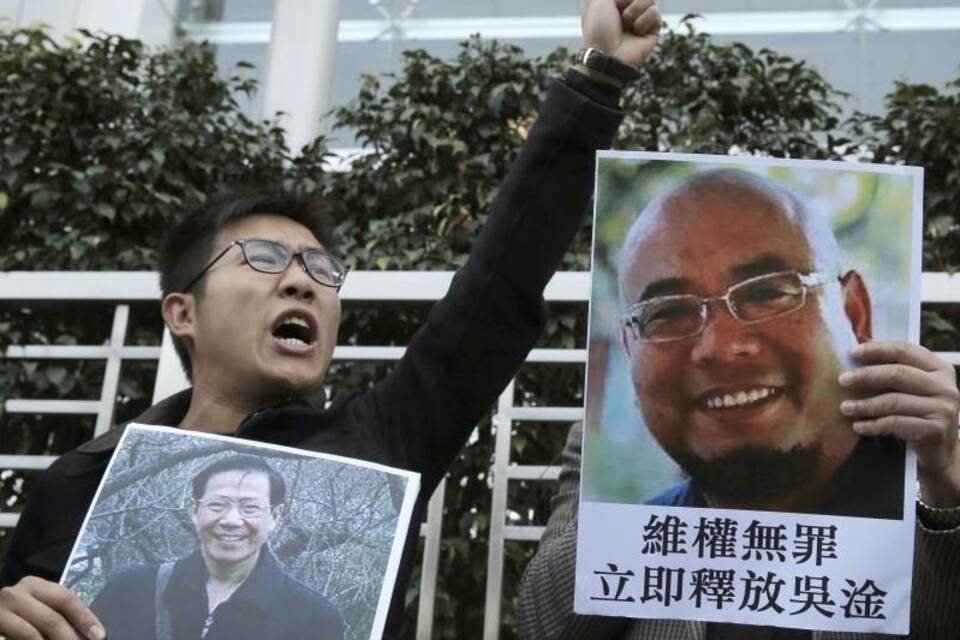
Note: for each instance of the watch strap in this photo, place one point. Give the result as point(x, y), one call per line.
point(597, 60)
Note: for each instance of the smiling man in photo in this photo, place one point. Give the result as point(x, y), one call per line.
point(232, 585)
point(737, 325)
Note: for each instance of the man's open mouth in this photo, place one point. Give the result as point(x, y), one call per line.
point(295, 329)
point(738, 399)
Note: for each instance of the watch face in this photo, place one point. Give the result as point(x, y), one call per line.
point(586, 55)
point(596, 59)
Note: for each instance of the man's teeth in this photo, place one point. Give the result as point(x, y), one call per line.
point(294, 341)
point(226, 538)
point(739, 399)
point(295, 320)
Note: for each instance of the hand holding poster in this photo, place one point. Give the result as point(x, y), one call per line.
point(727, 295)
point(193, 535)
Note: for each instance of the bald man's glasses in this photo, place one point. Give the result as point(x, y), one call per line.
point(751, 301)
point(268, 256)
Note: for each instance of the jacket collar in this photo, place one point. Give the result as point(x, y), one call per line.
point(170, 412)
point(188, 581)
point(167, 412)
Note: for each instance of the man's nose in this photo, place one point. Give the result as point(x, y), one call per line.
point(231, 516)
point(724, 338)
point(295, 282)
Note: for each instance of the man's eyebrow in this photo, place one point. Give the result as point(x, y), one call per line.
point(665, 287)
point(759, 266)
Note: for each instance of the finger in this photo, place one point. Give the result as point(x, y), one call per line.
point(648, 23)
point(907, 428)
point(633, 11)
point(887, 404)
point(67, 605)
point(36, 615)
point(893, 377)
point(13, 627)
point(889, 352)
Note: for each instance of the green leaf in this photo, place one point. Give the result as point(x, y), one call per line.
point(105, 210)
point(56, 375)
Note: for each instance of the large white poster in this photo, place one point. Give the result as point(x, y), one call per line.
point(720, 480)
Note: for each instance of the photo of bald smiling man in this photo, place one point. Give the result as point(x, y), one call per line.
point(737, 312)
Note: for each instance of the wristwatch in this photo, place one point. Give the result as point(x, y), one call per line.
point(937, 518)
point(594, 59)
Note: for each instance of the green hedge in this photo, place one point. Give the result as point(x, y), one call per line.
point(103, 144)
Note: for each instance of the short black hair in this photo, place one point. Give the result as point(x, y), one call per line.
point(242, 462)
point(189, 244)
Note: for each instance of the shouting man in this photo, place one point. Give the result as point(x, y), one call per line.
point(250, 294)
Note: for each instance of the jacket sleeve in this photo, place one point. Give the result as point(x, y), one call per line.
point(936, 565)
point(25, 537)
point(545, 599)
point(478, 336)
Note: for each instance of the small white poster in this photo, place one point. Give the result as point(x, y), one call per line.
point(193, 535)
point(720, 481)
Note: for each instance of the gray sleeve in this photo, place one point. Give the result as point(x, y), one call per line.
point(545, 599)
point(936, 566)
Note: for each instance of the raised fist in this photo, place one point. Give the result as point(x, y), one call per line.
point(625, 29)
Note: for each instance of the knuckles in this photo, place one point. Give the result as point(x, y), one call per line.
point(7, 596)
point(32, 583)
point(899, 375)
point(888, 405)
point(51, 623)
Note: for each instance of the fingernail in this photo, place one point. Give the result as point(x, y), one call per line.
point(96, 632)
point(846, 378)
point(847, 407)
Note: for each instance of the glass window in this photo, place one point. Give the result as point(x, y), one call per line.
point(860, 51)
point(226, 10)
point(238, 31)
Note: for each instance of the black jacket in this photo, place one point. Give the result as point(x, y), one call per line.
point(422, 413)
point(269, 605)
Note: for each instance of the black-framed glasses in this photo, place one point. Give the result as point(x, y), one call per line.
point(751, 301)
point(268, 256)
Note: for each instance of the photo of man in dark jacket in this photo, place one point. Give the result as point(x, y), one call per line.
point(232, 585)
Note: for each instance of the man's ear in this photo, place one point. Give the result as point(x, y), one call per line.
point(179, 314)
point(277, 511)
point(856, 304)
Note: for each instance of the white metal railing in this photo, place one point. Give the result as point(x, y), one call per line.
point(124, 288)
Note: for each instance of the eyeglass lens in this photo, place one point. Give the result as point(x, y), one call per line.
point(271, 257)
point(767, 297)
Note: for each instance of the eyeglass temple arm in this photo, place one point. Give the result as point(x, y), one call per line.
point(209, 265)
